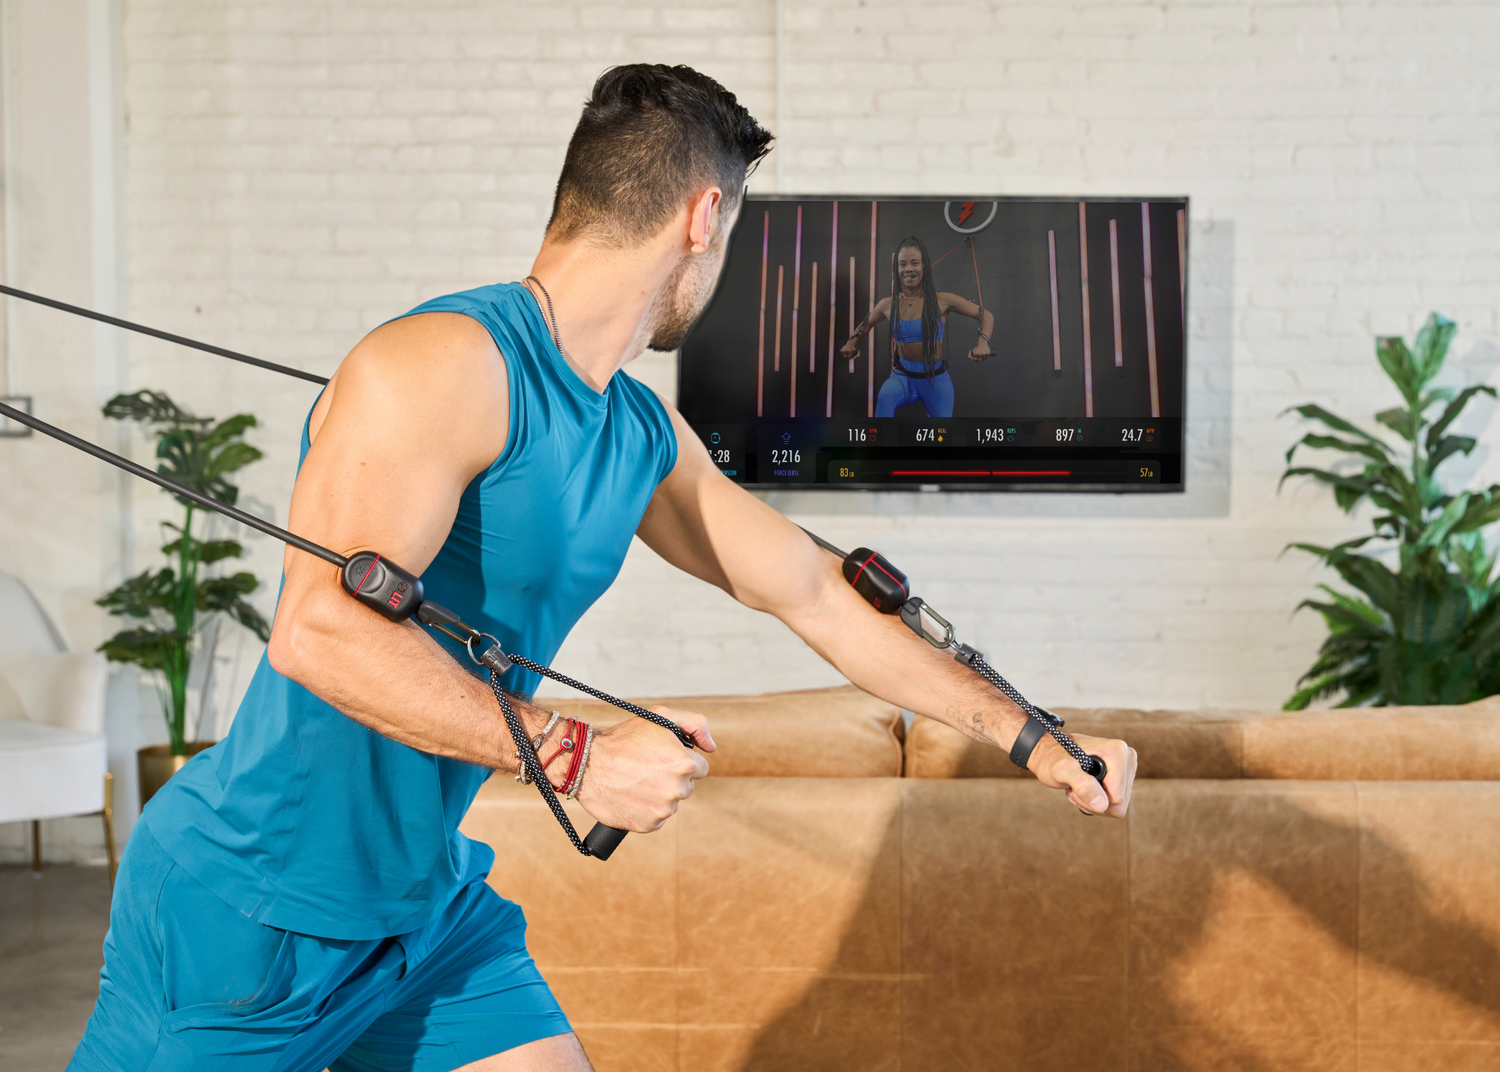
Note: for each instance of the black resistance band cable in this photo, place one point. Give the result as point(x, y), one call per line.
point(397, 595)
point(886, 589)
point(192, 344)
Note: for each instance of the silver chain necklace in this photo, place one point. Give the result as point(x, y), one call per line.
point(551, 316)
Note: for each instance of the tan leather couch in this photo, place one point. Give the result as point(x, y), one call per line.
point(1312, 891)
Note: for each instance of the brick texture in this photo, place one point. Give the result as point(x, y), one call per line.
point(298, 172)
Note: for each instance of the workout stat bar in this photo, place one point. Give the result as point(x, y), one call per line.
point(894, 452)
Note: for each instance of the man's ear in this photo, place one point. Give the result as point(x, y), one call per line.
point(703, 218)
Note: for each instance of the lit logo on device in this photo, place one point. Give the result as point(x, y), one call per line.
point(397, 596)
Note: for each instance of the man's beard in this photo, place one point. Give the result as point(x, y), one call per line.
point(680, 302)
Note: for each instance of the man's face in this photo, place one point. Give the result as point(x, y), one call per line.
point(689, 288)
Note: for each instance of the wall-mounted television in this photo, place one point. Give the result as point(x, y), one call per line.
point(1081, 388)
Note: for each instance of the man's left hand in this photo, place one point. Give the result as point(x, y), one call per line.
point(1056, 769)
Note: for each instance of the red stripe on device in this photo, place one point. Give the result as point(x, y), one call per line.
point(366, 577)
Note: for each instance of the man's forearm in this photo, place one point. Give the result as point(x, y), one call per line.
point(880, 655)
point(395, 679)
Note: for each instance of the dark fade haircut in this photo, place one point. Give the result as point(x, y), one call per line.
point(649, 136)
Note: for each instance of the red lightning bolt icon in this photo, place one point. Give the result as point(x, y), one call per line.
point(964, 212)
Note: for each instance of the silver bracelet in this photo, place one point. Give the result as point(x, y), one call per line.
point(583, 764)
point(523, 775)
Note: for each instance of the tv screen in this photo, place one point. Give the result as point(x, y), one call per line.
point(845, 346)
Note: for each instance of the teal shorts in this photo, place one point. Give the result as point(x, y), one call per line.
point(189, 983)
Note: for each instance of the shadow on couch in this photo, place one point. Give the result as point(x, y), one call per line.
point(1265, 925)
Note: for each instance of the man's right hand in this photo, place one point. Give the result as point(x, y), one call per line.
point(638, 772)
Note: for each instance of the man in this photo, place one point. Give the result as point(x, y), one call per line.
point(299, 895)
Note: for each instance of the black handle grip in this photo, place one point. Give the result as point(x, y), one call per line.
point(1096, 769)
point(603, 840)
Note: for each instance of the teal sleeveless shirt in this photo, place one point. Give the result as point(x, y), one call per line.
point(303, 819)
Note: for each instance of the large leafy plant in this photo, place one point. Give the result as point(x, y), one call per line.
point(1427, 631)
point(173, 604)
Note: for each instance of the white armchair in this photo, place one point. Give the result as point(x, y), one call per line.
point(52, 745)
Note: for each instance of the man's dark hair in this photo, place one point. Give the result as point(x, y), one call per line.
point(649, 136)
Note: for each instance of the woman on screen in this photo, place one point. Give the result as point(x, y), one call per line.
point(918, 371)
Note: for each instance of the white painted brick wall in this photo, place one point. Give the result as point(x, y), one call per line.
point(299, 172)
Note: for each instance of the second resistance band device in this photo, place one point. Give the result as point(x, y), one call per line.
point(887, 589)
point(396, 595)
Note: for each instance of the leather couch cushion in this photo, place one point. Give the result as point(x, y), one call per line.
point(1170, 744)
point(815, 733)
point(1383, 744)
point(1359, 744)
point(759, 928)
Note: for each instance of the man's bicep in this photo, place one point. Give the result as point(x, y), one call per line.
point(418, 409)
point(708, 526)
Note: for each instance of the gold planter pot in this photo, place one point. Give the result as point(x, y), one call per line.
point(157, 764)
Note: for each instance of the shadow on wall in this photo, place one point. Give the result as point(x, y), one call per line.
point(1234, 924)
point(1209, 427)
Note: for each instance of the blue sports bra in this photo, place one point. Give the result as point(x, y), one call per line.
point(911, 330)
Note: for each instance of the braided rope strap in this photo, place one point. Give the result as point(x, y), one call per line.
point(990, 674)
point(533, 764)
point(526, 751)
point(624, 705)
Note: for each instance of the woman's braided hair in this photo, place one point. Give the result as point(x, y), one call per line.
point(931, 345)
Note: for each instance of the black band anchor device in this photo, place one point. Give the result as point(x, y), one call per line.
point(396, 595)
point(887, 589)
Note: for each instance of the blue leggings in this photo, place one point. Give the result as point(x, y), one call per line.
point(936, 394)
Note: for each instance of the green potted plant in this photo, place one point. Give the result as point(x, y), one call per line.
point(1428, 630)
point(171, 606)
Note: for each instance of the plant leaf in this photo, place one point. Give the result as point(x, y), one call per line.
point(1447, 447)
point(151, 407)
point(1397, 361)
point(1402, 421)
point(137, 597)
point(229, 428)
point(1430, 347)
point(230, 457)
point(1451, 413)
point(1333, 420)
point(1373, 449)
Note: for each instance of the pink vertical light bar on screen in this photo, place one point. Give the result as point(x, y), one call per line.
point(1114, 285)
point(812, 322)
point(1056, 324)
point(760, 360)
point(1088, 328)
point(833, 304)
point(833, 282)
point(780, 286)
point(870, 400)
point(851, 307)
point(796, 302)
point(1150, 308)
point(1182, 265)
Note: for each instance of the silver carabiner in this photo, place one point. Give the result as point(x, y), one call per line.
point(492, 658)
point(927, 623)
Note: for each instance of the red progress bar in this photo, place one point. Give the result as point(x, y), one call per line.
point(940, 472)
point(981, 472)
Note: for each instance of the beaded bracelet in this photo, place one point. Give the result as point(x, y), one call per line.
point(523, 775)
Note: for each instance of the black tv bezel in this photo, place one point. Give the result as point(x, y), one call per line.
point(995, 488)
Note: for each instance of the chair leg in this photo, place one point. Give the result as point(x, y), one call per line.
point(36, 845)
point(109, 826)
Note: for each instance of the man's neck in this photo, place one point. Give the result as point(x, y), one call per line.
point(603, 301)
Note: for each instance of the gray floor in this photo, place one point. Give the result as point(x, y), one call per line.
point(51, 941)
